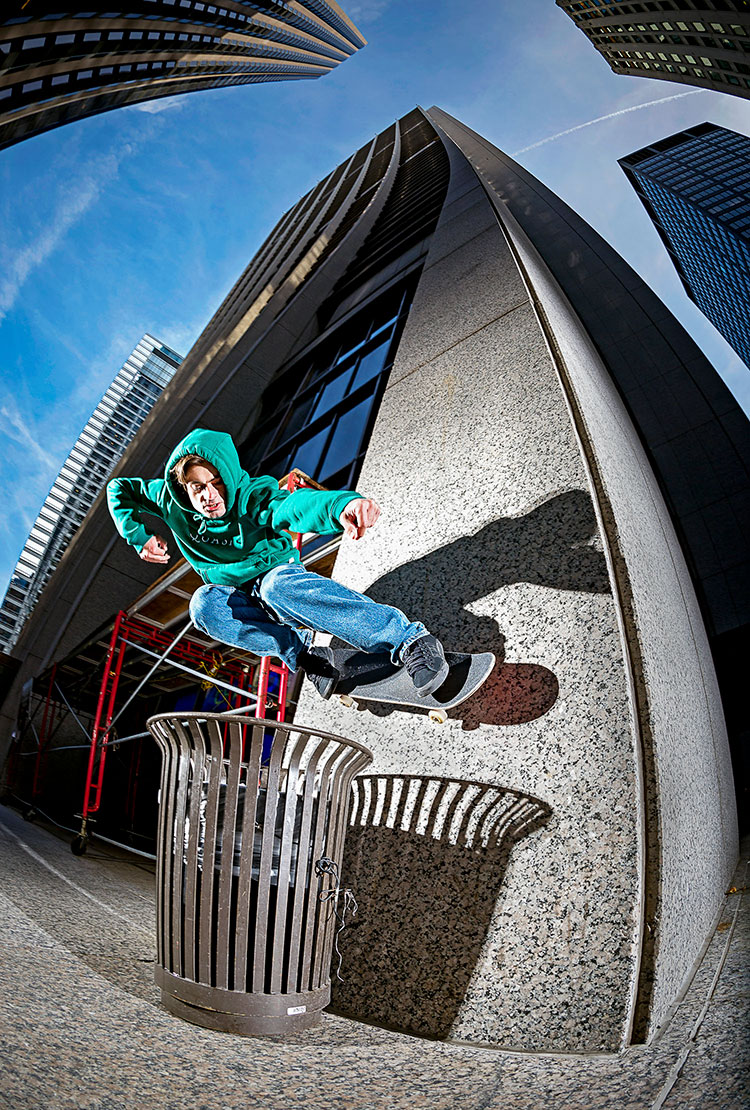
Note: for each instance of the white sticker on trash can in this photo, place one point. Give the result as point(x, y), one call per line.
point(296, 1010)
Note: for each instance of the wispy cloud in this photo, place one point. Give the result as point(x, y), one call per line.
point(365, 10)
point(163, 104)
point(30, 470)
point(610, 115)
point(15, 426)
point(181, 335)
point(79, 197)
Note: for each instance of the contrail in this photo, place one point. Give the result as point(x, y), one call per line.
point(79, 196)
point(612, 115)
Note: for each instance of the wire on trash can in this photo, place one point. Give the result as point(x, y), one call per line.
point(326, 866)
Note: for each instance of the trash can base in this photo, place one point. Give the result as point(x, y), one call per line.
point(238, 1012)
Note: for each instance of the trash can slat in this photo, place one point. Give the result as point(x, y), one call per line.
point(193, 739)
point(291, 807)
point(265, 865)
point(206, 897)
point(244, 883)
point(305, 867)
point(349, 764)
point(225, 935)
point(178, 855)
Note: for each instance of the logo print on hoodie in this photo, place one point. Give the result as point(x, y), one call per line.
point(217, 541)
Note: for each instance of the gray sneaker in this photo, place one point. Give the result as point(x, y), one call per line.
point(318, 664)
point(425, 664)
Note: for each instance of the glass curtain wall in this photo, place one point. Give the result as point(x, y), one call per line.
point(318, 413)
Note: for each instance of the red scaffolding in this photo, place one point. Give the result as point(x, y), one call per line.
point(147, 628)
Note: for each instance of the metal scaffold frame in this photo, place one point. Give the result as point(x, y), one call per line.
point(180, 653)
point(146, 631)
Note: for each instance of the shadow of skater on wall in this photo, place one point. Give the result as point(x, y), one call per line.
point(425, 858)
point(549, 546)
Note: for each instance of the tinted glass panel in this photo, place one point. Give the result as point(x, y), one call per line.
point(307, 455)
point(370, 365)
point(257, 446)
point(300, 415)
point(332, 393)
point(381, 327)
point(276, 465)
point(349, 350)
point(347, 437)
point(288, 414)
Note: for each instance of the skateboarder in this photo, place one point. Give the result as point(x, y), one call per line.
point(231, 528)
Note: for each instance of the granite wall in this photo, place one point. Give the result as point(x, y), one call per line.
point(520, 517)
point(690, 832)
point(490, 534)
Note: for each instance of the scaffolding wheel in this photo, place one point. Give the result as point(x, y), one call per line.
point(438, 716)
point(346, 700)
point(79, 845)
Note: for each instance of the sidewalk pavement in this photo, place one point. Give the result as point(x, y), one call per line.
point(82, 1027)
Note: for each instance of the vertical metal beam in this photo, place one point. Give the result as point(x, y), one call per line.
point(97, 721)
point(115, 676)
point(41, 750)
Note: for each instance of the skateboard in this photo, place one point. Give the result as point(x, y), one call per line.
point(372, 677)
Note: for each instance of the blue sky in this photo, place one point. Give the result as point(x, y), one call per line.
point(141, 219)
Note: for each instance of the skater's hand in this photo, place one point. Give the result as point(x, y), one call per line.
point(154, 551)
point(358, 516)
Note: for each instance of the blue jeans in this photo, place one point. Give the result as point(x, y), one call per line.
point(277, 614)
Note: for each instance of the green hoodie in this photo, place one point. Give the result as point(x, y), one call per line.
point(250, 538)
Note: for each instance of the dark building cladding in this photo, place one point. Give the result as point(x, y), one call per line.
point(57, 65)
point(695, 186)
point(317, 413)
point(703, 44)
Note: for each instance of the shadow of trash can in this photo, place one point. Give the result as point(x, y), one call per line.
point(245, 926)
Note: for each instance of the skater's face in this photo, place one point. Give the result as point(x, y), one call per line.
point(206, 490)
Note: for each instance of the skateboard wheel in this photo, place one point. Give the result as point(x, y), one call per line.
point(438, 716)
point(346, 700)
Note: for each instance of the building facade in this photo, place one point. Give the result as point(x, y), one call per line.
point(56, 67)
point(433, 326)
point(683, 40)
point(109, 430)
point(695, 186)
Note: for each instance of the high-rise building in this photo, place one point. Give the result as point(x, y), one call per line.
point(696, 44)
point(59, 66)
point(695, 186)
point(564, 482)
point(109, 430)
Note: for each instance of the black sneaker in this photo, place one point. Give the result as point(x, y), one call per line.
point(318, 664)
point(425, 664)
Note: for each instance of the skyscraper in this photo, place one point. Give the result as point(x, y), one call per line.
point(109, 430)
point(695, 186)
point(564, 482)
point(704, 45)
point(57, 66)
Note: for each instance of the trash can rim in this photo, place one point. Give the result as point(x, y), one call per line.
point(285, 726)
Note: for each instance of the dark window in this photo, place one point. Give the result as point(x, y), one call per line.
point(333, 392)
point(371, 364)
point(346, 439)
point(315, 414)
point(307, 456)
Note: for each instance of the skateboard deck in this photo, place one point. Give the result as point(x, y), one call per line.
point(369, 676)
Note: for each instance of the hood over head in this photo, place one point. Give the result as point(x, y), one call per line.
point(218, 449)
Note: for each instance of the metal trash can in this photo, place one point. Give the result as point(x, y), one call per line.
point(244, 938)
